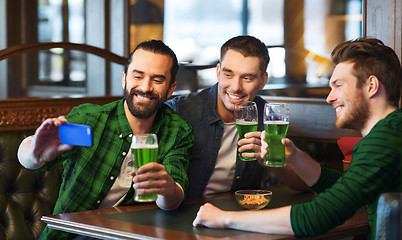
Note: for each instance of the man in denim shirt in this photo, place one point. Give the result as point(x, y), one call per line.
point(216, 166)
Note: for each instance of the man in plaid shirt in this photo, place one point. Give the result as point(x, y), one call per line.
point(102, 175)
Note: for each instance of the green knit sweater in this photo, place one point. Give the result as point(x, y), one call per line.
point(375, 169)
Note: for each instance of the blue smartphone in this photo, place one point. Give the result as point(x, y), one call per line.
point(75, 134)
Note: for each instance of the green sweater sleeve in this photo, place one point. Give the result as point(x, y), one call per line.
point(320, 215)
point(327, 178)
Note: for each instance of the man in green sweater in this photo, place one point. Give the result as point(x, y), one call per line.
point(365, 92)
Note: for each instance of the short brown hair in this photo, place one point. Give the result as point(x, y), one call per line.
point(248, 46)
point(371, 57)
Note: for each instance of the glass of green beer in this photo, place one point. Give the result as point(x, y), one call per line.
point(144, 149)
point(276, 123)
point(246, 117)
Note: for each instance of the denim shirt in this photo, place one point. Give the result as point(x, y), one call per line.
point(199, 109)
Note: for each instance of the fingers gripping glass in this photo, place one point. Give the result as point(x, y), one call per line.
point(246, 117)
point(276, 124)
point(144, 149)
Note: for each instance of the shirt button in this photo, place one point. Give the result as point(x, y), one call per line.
point(237, 177)
point(98, 202)
point(131, 135)
point(112, 178)
point(124, 153)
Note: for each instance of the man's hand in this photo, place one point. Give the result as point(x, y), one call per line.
point(44, 146)
point(251, 141)
point(290, 149)
point(300, 169)
point(161, 183)
point(210, 216)
point(265, 221)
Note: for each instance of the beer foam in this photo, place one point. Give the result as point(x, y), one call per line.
point(276, 122)
point(143, 146)
point(246, 122)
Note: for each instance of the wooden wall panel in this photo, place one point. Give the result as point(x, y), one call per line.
point(384, 21)
point(23, 114)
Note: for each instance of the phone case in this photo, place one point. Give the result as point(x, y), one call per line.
point(75, 134)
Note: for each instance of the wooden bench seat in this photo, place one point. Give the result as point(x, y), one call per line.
point(26, 196)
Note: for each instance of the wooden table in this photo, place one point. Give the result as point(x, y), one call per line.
point(146, 221)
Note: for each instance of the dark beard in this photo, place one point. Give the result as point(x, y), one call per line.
point(143, 111)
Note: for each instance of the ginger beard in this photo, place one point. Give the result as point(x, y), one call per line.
point(142, 110)
point(354, 113)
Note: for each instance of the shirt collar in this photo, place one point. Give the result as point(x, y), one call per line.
point(124, 126)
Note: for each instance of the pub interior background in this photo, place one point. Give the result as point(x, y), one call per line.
point(35, 85)
point(299, 35)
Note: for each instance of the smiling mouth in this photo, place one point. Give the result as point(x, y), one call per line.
point(142, 97)
point(234, 97)
point(338, 109)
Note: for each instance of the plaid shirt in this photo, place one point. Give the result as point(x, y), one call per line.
point(89, 172)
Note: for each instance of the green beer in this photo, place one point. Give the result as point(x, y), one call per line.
point(274, 132)
point(244, 127)
point(143, 154)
